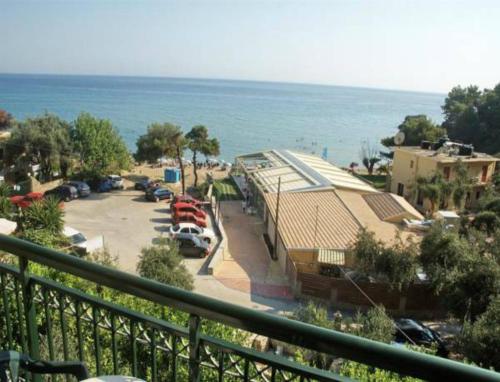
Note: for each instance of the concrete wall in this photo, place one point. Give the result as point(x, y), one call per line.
point(36, 186)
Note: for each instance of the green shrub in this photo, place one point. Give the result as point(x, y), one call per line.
point(480, 341)
point(162, 262)
point(486, 221)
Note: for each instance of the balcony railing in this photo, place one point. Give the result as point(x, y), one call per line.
point(46, 319)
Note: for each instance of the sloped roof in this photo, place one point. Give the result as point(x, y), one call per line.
point(388, 206)
point(299, 172)
point(337, 227)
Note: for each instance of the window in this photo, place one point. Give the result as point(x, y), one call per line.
point(185, 230)
point(478, 194)
point(446, 172)
point(401, 189)
point(411, 164)
point(484, 173)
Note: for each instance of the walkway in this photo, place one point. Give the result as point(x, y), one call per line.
point(247, 266)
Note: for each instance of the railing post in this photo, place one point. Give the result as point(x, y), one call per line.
point(194, 348)
point(29, 312)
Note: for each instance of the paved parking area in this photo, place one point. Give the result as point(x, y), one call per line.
point(128, 223)
point(126, 220)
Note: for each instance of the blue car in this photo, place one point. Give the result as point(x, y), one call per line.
point(82, 188)
point(157, 194)
point(105, 185)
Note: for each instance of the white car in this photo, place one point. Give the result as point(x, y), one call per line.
point(79, 241)
point(116, 182)
point(204, 234)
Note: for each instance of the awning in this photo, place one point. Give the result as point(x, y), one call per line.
point(331, 256)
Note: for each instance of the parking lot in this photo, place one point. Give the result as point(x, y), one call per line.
point(126, 220)
point(129, 223)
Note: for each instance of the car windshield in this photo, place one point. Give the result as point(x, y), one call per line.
point(176, 227)
point(78, 238)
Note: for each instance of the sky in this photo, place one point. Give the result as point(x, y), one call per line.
point(424, 45)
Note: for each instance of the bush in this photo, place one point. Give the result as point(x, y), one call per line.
point(163, 263)
point(375, 325)
point(480, 341)
point(44, 238)
point(396, 264)
point(45, 214)
point(6, 208)
point(486, 221)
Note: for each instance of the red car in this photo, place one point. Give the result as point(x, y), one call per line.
point(188, 217)
point(187, 199)
point(24, 201)
point(186, 207)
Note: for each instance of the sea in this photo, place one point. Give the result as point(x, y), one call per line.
point(246, 116)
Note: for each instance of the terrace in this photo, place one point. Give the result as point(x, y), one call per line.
point(46, 319)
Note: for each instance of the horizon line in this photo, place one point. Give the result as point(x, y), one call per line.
point(224, 79)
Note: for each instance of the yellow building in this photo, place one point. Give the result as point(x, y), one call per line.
point(410, 163)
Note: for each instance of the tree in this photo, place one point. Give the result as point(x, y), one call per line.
point(366, 250)
point(480, 340)
point(99, 146)
point(369, 157)
point(487, 221)
point(163, 263)
point(5, 119)
point(198, 142)
point(43, 140)
point(473, 116)
point(460, 270)
point(396, 264)
point(162, 139)
point(156, 143)
point(417, 128)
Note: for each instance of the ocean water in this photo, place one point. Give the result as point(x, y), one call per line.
point(245, 116)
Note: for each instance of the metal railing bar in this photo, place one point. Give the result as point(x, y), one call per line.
point(273, 360)
point(344, 345)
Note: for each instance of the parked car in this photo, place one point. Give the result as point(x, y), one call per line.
point(186, 199)
point(100, 185)
point(204, 234)
point(145, 184)
point(190, 245)
point(64, 192)
point(24, 201)
point(359, 277)
point(116, 182)
point(158, 193)
point(420, 334)
point(188, 217)
point(186, 207)
point(81, 243)
point(82, 188)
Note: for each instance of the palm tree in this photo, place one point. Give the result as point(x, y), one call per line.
point(430, 189)
point(198, 141)
point(447, 189)
point(463, 184)
point(369, 157)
